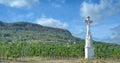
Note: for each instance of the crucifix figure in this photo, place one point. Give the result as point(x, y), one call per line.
point(89, 49)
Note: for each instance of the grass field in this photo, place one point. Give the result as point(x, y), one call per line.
point(62, 60)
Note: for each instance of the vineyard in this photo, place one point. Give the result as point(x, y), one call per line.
point(24, 49)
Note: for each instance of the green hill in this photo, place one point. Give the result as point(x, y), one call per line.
point(19, 31)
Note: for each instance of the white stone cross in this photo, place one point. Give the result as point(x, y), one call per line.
point(89, 49)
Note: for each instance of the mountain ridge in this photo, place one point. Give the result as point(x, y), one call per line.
point(31, 31)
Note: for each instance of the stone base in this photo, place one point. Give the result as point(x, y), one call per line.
point(89, 53)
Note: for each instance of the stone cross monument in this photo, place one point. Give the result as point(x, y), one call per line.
point(89, 49)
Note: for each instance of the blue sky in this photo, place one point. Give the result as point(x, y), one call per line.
point(68, 14)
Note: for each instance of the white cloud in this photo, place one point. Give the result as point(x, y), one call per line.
point(101, 9)
point(115, 37)
point(19, 3)
point(51, 23)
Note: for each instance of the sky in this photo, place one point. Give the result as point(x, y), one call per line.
point(68, 14)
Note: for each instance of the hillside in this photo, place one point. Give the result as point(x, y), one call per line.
point(30, 32)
